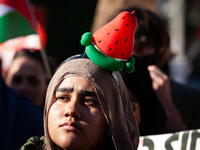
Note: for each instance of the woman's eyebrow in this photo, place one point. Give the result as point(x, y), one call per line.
point(64, 89)
point(88, 93)
point(82, 92)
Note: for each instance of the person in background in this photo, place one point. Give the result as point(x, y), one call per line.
point(149, 112)
point(20, 119)
point(152, 44)
point(27, 75)
point(87, 108)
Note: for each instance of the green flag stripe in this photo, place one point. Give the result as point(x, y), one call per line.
point(14, 25)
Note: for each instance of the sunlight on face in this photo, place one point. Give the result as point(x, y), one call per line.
point(76, 120)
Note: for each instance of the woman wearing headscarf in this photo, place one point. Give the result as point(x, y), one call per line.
point(86, 107)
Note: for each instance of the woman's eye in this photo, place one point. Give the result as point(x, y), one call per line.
point(62, 98)
point(89, 101)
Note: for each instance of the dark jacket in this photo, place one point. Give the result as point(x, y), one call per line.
point(34, 143)
point(187, 100)
point(20, 119)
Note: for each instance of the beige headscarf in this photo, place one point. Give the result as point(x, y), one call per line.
point(112, 96)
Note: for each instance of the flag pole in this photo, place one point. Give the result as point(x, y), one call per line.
point(45, 61)
point(42, 51)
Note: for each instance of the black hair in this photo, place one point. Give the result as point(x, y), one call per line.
point(153, 117)
point(35, 54)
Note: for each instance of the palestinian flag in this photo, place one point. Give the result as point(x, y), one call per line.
point(16, 19)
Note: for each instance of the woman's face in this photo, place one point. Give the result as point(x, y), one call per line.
point(75, 119)
point(27, 77)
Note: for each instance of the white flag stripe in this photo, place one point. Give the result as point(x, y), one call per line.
point(4, 9)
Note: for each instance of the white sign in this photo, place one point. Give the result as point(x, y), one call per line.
point(186, 140)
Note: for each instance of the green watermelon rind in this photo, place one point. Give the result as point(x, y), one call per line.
point(102, 60)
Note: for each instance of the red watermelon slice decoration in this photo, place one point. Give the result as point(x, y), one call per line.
point(116, 38)
point(111, 46)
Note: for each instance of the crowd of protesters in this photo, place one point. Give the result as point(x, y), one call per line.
point(82, 106)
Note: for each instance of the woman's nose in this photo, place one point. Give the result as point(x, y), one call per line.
point(23, 87)
point(73, 109)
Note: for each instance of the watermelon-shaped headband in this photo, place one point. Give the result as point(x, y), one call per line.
point(111, 46)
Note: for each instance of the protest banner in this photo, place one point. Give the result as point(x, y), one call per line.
point(185, 140)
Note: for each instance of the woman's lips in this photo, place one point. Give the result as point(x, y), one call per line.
point(70, 126)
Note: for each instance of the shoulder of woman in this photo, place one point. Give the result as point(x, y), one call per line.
point(34, 143)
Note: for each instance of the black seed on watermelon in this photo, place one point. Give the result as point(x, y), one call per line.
point(122, 54)
point(100, 41)
point(127, 24)
point(116, 29)
point(123, 17)
point(110, 49)
point(125, 39)
point(116, 42)
point(133, 21)
point(108, 33)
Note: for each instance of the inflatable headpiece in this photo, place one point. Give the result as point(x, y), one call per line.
point(111, 46)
